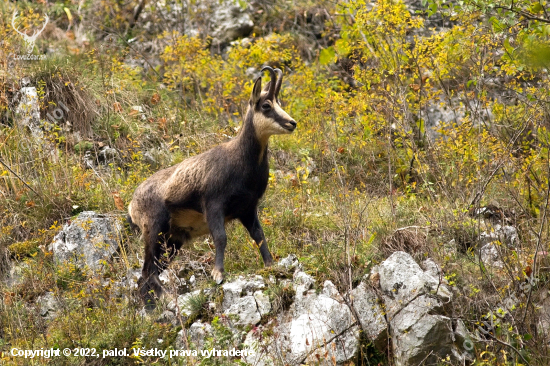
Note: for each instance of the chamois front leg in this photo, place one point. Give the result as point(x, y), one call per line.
point(252, 224)
point(216, 223)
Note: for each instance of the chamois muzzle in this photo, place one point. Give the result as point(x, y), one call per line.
point(291, 125)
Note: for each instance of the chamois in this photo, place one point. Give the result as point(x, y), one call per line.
point(202, 193)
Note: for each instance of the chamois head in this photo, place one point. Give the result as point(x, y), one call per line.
point(268, 116)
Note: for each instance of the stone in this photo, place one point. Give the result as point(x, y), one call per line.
point(198, 332)
point(181, 339)
point(414, 302)
point(88, 240)
point(16, 275)
point(490, 256)
point(230, 22)
point(445, 114)
point(181, 305)
point(246, 311)
point(233, 290)
point(323, 327)
point(262, 301)
point(450, 248)
point(316, 322)
point(465, 340)
point(433, 333)
point(506, 234)
point(264, 352)
point(289, 262)
point(431, 268)
point(124, 286)
point(169, 279)
point(438, 115)
point(88, 160)
point(168, 317)
point(143, 313)
point(338, 351)
point(108, 155)
point(368, 308)
point(132, 277)
point(48, 305)
point(543, 313)
point(302, 282)
point(29, 108)
point(148, 158)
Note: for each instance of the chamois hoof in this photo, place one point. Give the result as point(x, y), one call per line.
point(217, 276)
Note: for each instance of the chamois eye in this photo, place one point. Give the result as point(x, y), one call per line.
point(266, 106)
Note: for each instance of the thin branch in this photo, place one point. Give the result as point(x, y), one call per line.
point(21, 179)
point(524, 14)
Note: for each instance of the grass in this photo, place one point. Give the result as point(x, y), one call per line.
point(345, 190)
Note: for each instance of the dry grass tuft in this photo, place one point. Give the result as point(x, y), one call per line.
point(64, 86)
point(411, 239)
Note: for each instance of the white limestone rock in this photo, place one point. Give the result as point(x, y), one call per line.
point(414, 302)
point(371, 314)
point(89, 240)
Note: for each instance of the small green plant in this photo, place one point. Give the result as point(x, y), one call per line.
point(224, 337)
point(197, 306)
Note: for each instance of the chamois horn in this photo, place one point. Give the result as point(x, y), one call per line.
point(279, 82)
point(272, 73)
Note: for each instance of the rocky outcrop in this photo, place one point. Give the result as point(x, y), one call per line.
point(370, 312)
point(224, 21)
point(317, 326)
point(398, 302)
point(506, 234)
point(414, 301)
point(230, 22)
point(88, 241)
point(244, 299)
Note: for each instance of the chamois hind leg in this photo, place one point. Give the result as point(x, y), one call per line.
point(166, 248)
point(154, 235)
point(216, 223)
point(251, 222)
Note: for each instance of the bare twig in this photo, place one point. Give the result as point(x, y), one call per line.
point(21, 179)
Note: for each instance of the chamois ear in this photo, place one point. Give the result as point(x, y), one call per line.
point(267, 86)
point(256, 92)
